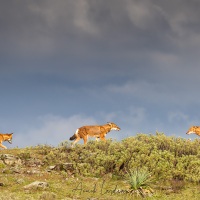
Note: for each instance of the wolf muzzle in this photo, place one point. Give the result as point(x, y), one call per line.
point(10, 141)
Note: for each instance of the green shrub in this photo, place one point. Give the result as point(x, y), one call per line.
point(167, 158)
point(2, 165)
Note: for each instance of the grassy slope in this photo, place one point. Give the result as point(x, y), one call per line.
point(99, 168)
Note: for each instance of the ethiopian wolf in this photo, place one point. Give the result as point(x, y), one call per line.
point(5, 137)
point(98, 131)
point(194, 129)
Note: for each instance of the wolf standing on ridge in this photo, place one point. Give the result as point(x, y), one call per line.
point(5, 137)
point(194, 129)
point(98, 131)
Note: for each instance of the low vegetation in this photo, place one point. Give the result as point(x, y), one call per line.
point(140, 181)
point(153, 166)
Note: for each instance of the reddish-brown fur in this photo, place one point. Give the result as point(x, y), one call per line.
point(5, 137)
point(98, 131)
point(194, 129)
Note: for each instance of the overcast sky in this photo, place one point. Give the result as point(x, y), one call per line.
point(69, 63)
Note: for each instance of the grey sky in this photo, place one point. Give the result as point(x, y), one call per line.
point(67, 63)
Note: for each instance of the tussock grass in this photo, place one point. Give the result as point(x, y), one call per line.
point(139, 179)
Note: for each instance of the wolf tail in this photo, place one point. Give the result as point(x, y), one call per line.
point(73, 137)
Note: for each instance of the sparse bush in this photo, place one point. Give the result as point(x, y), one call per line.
point(2, 165)
point(25, 156)
point(177, 185)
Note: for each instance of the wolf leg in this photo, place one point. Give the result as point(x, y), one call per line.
point(4, 147)
point(85, 139)
point(77, 139)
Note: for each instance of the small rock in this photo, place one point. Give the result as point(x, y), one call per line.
point(20, 181)
point(61, 167)
point(33, 171)
point(9, 159)
point(52, 167)
point(36, 184)
point(15, 170)
point(34, 163)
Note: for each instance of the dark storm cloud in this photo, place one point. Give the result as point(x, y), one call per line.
point(90, 39)
point(115, 40)
point(79, 27)
point(101, 29)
